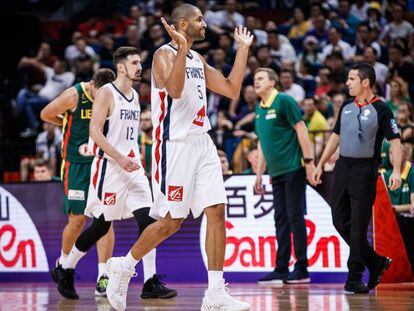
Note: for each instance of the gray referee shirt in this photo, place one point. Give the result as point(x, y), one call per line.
point(362, 128)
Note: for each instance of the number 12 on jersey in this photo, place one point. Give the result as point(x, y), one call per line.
point(130, 133)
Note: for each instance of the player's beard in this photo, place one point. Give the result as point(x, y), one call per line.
point(196, 34)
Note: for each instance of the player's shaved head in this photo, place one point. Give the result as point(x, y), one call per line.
point(184, 11)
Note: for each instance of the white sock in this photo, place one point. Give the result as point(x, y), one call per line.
point(73, 258)
point(129, 262)
point(101, 270)
point(148, 262)
point(62, 257)
point(214, 277)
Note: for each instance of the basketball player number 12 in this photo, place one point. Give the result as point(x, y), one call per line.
point(130, 133)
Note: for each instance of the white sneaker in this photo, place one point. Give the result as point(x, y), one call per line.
point(118, 282)
point(218, 299)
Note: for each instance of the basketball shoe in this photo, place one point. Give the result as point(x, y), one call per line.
point(218, 298)
point(118, 282)
point(101, 286)
point(154, 288)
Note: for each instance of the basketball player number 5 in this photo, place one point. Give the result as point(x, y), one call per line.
point(200, 92)
point(130, 133)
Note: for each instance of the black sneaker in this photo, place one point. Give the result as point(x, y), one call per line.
point(65, 279)
point(377, 271)
point(274, 277)
point(298, 276)
point(355, 287)
point(154, 288)
point(101, 286)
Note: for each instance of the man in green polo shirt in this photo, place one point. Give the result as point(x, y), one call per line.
point(285, 147)
point(402, 200)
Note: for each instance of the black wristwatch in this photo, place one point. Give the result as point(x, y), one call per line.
point(307, 160)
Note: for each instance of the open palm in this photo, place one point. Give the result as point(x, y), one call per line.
point(174, 34)
point(242, 36)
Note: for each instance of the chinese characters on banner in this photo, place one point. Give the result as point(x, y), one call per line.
point(251, 240)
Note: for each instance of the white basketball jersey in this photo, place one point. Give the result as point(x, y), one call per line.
point(174, 119)
point(121, 127)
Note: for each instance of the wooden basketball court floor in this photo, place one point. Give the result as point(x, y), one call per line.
point(44, 296)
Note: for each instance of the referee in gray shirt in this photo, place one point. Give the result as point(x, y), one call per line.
point(360, 129)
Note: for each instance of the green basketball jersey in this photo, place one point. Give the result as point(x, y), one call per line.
point(76, 128)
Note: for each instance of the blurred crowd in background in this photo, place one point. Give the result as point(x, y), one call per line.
point(310, 44)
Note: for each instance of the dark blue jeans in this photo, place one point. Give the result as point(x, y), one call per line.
point(289, 205)
point(31, 103)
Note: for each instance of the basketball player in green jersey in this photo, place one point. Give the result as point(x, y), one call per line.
point(75, 104)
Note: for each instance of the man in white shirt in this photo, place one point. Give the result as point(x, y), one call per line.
point(278, 49)
point(228, 18)
point(78, 47)
point(381, 71)
point(335, 42)
point(57, 80)
point(290, 88)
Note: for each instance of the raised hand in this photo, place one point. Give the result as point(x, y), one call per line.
point(242, 36)
point(174, 34)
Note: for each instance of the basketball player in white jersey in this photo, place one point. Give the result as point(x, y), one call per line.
point(186, 172)
point(118, 188)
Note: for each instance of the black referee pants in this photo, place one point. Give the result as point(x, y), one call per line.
point(353, 196)
point(289, 205)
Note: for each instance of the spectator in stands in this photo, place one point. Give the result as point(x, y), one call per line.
point(305, 79)
point(225, 166)
point(364, 40)
point(336, 44)
point(252, 158)
point(405, 122)
point(57, 80)
point(222, 131)
point(346, 22)
point(310, 53)
point(138, 19)
point(338, 100)
point(157, 40)
point(291, 88)
point(240, 107)
point(260, 35)
point(106, 52)
point(252, 65)
point(280, 51)
point(84, 68)
point(43, 171)
point(225, 42)
point(338, 74)
point(319, 30)
point(48, 144)
point(399, 27)
point(324, 85)
point(228, 18)
point(79, 47)
point(402, 200)
point(398, 94)
point(359, 10)
point(375, 19)
point(265, 59)
point(145, 140)
point(144, 91)
point(32, 77)
point(299, 26)
point(381, 71)
point(401, 67)
point(218, 61)
point(316, 124)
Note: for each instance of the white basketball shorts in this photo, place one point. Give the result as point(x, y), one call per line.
point(186, 175)
point(115, 192)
